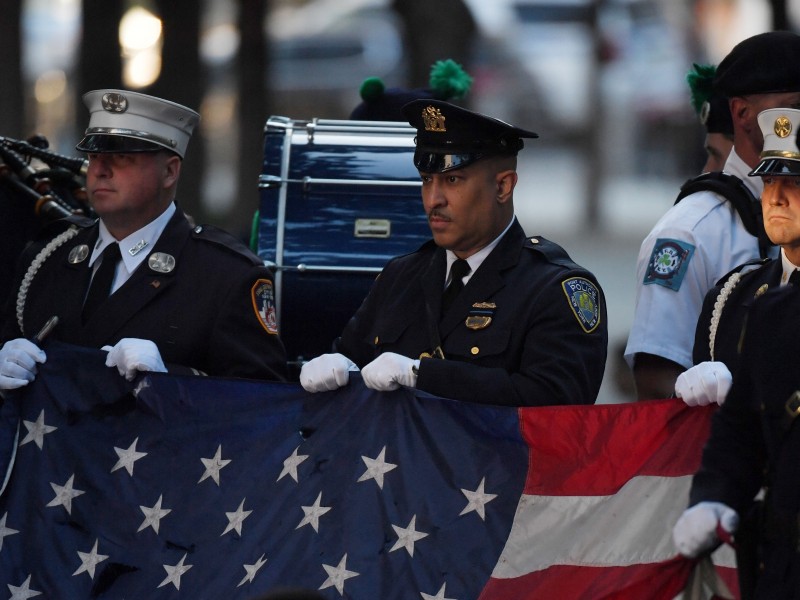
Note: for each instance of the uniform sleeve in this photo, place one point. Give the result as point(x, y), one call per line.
point(671, 278)
point(244, 340)
point(560, 361)
point(733, 460)
point(691, 248)
point(352, 341)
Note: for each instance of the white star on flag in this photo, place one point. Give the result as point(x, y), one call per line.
point(252, 570)
point(214, 466)
point(337, 576)
point(377, 468)
point(64, 494)
point(408, 536)
point(36, 431)
point(313, 513)
point(439, 595)
point(477, 500)
point(89, 560)
point(128, 457)
point(5, 531)
point(24, 591)
point(235, 519)
point(174, 573)
point(290, 465)
point(153, 516)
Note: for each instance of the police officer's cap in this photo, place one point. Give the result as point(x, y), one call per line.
point(123, 121)
point(780, 155)
point(450, 137)
point(762, 64)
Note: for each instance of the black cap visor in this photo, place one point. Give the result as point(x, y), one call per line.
point(429, 161)
point(118, 144)
point(777, 167)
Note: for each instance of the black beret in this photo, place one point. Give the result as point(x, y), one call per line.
point(451, 137)
point(765, 63)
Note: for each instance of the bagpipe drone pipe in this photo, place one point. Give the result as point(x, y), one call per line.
point(37, 187)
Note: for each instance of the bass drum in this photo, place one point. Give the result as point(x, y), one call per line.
point(338, 199)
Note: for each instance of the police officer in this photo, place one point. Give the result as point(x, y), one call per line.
point(718, 336)
point(755, 443)
point(481, 312)
point(164, 296)
point(703, 236)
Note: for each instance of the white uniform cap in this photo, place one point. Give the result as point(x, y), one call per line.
point(123, 121)
point(780, 155)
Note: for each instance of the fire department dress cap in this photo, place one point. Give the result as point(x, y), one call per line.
point(780, 155)
point(123, 121)
point(761, 64)
point(450, 137)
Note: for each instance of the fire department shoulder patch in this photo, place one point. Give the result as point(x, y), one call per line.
point(584, 300)
point(263, 296)
point(668, 263)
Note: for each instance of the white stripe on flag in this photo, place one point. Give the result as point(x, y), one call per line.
point(633, 526)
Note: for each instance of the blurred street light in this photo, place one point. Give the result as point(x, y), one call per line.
point(140, 36)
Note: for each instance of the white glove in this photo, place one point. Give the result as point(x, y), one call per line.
point(389, 371)
point(18, 358)
point(130, 355)
point(326, 372)
point(696, 530)
point(704, 384)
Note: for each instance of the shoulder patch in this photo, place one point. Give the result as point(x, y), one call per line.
point(584, 300)
point(263, 297)
point(668, 263)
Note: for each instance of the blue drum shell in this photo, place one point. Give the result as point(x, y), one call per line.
point(338, 199)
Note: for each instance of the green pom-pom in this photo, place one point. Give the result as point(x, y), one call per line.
point(371, 89)
point(449, 80)
point(700, 80)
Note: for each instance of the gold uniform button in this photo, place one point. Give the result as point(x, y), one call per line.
point(377, 339)
point(475, 350)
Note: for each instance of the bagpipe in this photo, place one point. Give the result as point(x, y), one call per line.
point(53, 183)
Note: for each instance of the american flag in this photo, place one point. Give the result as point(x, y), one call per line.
point(189, 487)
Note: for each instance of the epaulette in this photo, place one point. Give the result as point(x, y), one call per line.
point(221, 238)
point(744, 269)
point(551, 251)
point(57, 226)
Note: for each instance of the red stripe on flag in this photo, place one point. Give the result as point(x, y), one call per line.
point(659, 581)
point(594, 451)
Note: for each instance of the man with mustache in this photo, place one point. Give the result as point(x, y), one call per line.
point(482, 312)
point(142, 282)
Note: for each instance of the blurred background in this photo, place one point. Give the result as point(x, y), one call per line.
point(602, 82)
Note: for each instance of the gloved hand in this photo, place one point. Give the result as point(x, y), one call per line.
point(696, 529)
point(389, 371)
point(326, 372)
point(130, 355)
point(704, 383)
point(18, 359)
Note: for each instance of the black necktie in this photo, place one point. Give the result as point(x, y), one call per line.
point(100, 288)
point(794, 278)
point(459, 269)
